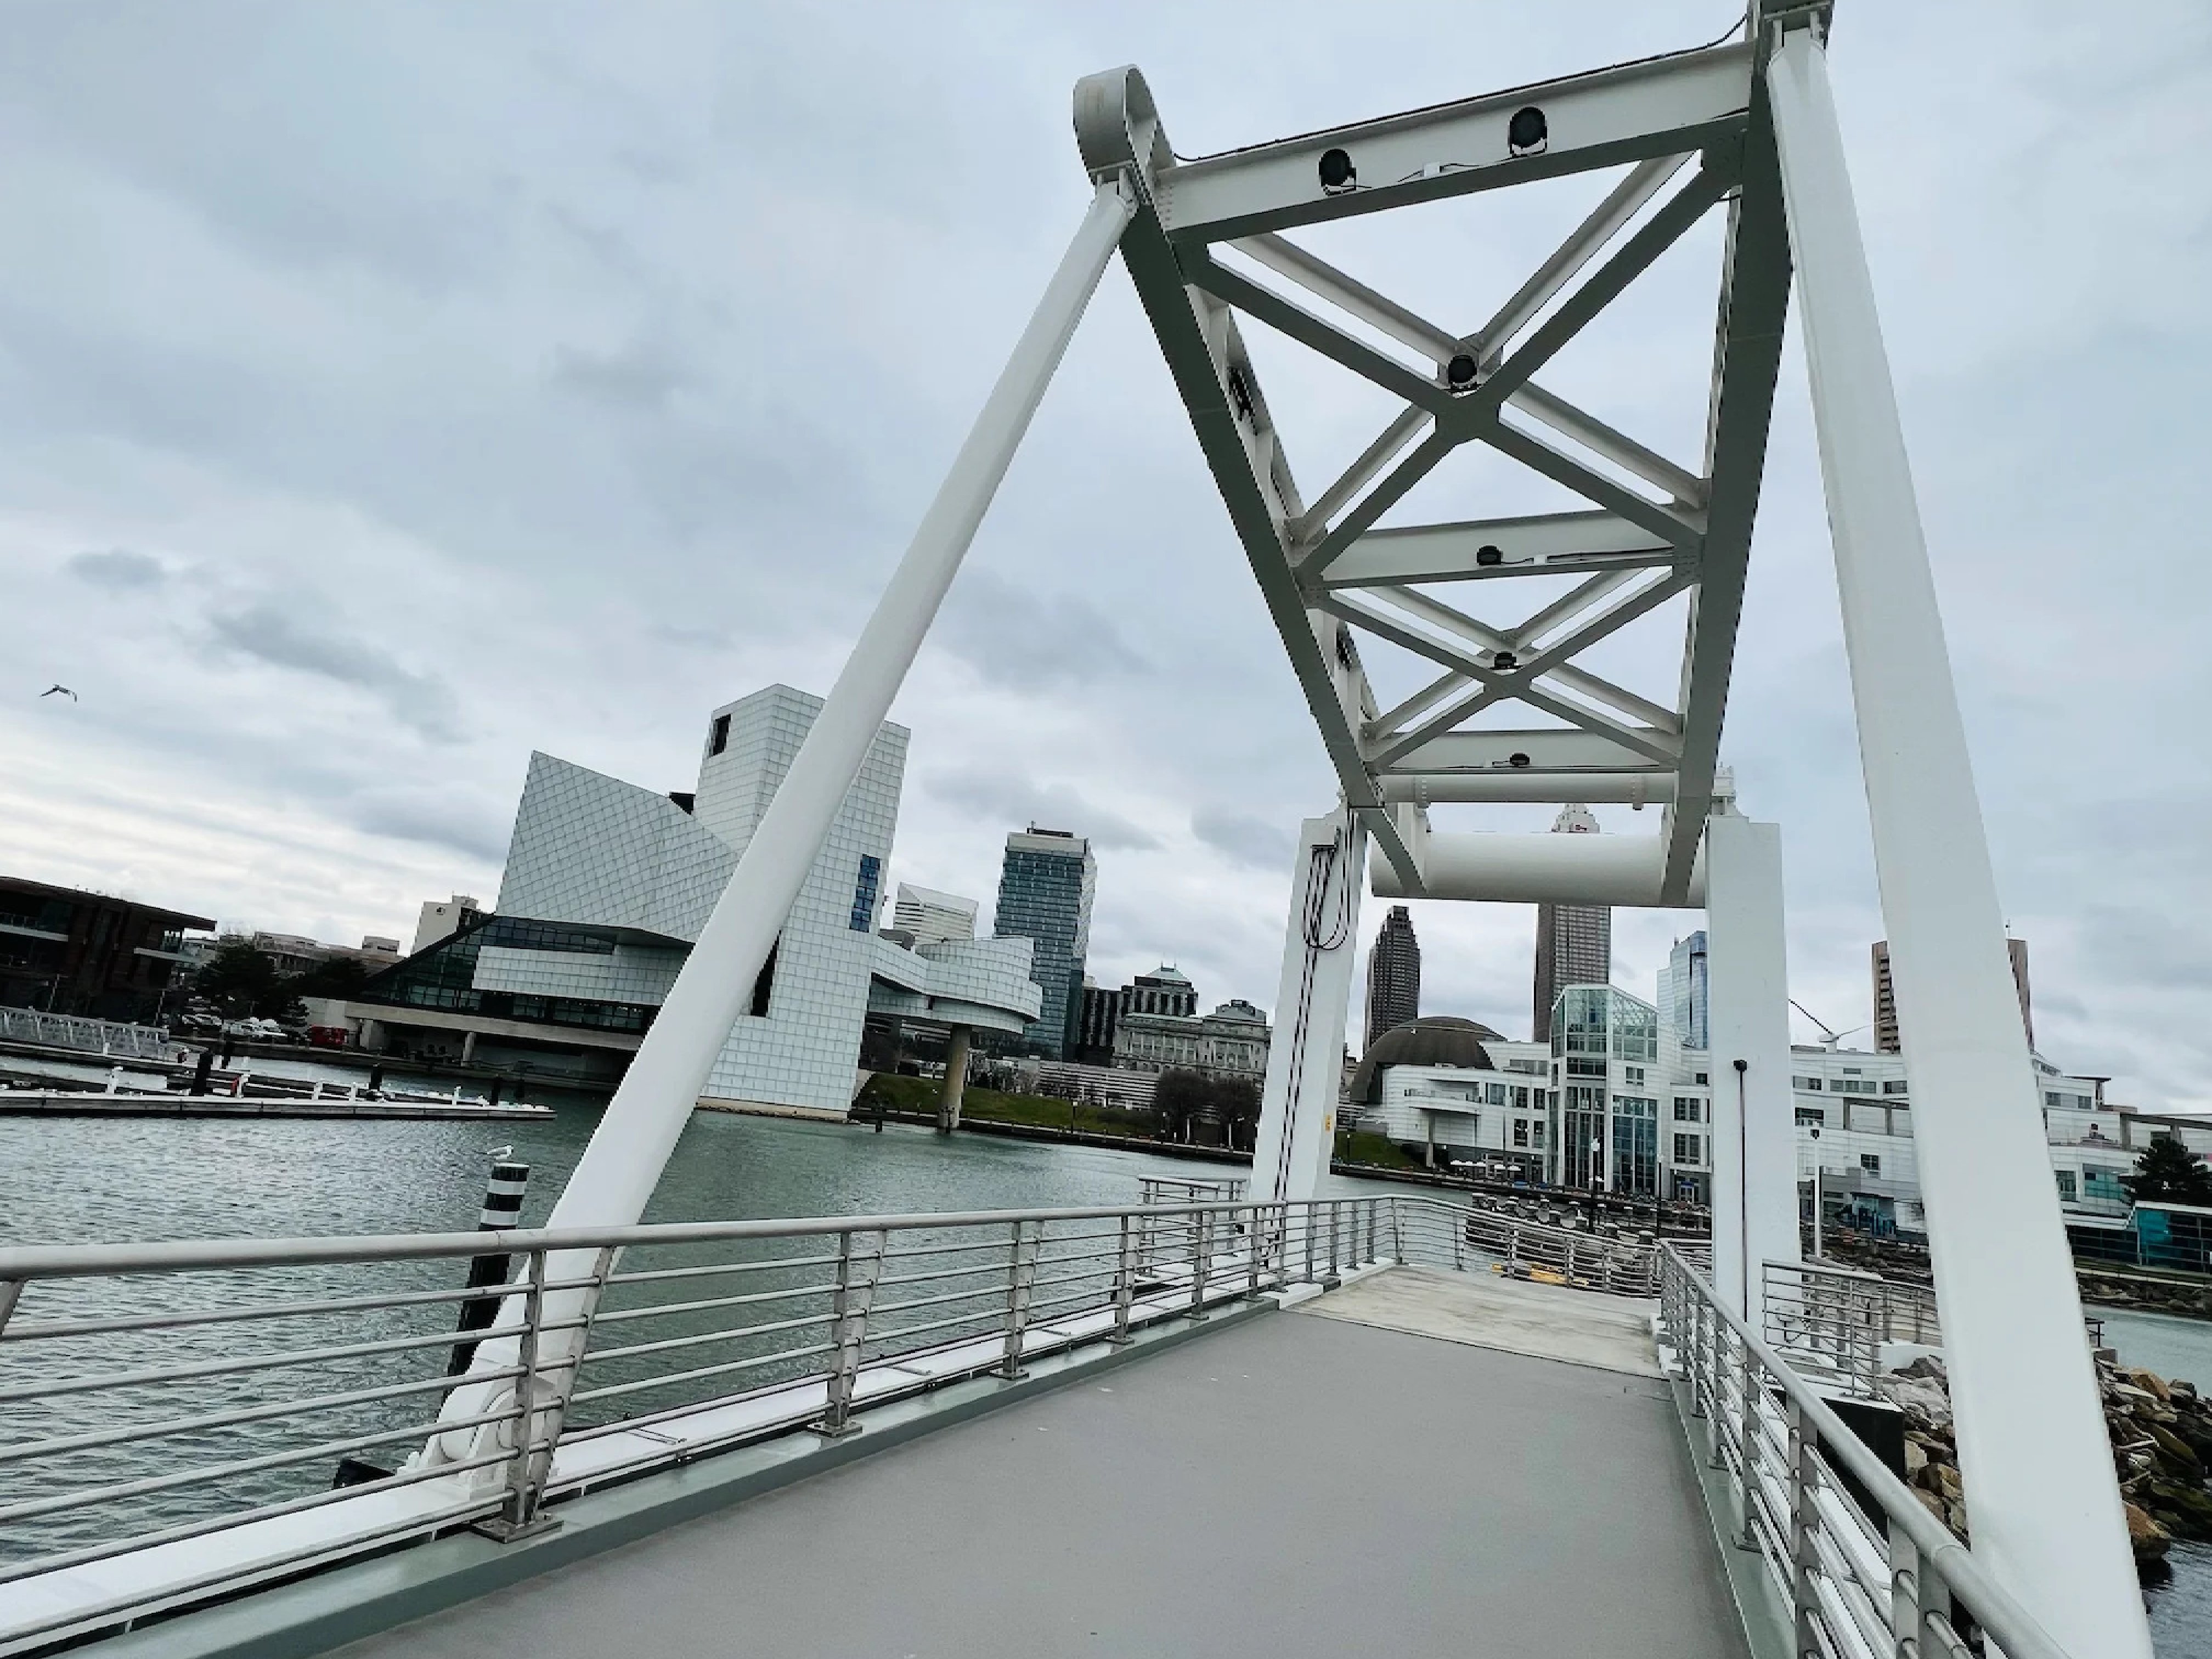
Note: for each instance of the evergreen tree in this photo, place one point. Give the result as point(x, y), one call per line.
point(2169, 1172)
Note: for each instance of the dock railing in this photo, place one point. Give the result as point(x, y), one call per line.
point(178, 1420)
point(1893, 1584)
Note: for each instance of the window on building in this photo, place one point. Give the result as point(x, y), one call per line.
point(1686, 1149)
point(1521, 1098)
point(1811, 1085)
point(1811, 1115)
point(718, 738)
point(1536, 1132)
point(865, 892)
point(1585, 1067)
point(1894, 1086)
point(1702, 1077)
point(1871, 1162)
point(2050, 1099)
point(1634, 1074)
point(2066, 1193)
point(765, 984)
point(1519, 1131)
point(1497, 1094)
point(1688, 1108)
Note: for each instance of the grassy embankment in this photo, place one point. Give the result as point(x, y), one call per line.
point(920, 1094)
point(1378, 1152)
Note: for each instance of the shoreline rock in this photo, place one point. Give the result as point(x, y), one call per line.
point(2161, 1437)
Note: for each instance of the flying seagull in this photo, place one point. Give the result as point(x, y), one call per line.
point(63, 689)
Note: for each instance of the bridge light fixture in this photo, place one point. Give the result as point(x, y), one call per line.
point(1527, 132)
point(1517, 760)
point(1460, 372)
point(1503, 660)
point(1337, 174)
point(1489, 554)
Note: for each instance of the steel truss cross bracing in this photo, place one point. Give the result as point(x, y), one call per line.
point(1691, 136)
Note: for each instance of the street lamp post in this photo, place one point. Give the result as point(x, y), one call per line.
point(1817, 1252)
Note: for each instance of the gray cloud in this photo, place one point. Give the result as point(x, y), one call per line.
point(120, 569)
point(1007, 799)
point(476, 828)
point(268, 634)
point(640, 375)
point(1259, 843)
point(1016, 637)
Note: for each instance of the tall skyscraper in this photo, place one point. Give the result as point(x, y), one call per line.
point(1884, 996)
point(1682, 993)
point(1393, 975)
point(1574, 942)
point(1045, 890)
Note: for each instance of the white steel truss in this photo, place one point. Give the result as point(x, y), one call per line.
point(1693, 133)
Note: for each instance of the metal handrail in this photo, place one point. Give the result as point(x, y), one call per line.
point(1926, 1565)
point(980, 1290)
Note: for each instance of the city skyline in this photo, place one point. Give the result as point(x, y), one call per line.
point(559, 363)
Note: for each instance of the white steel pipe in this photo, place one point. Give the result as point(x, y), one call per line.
point(622, 1164)
point(1296, 1131)
point(2032, 1445)
point(1442, 788)
point(1536, 867)
point(1753, 1128)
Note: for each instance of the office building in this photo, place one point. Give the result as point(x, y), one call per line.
point(1684, 988)
point(441, 920)
point(1097, 1019)
point(932, 917)
point(607, 885)
point(1045, 892)
point(1885, 1039)
point(66, 952)
point(1574, 942)
point(1393, 975)
point(1231, 1042)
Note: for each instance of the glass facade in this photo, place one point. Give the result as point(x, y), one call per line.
point(867, 890)
point(1686, 993)
point(1636, 1146)
point(443, 977)
point(1045, 890)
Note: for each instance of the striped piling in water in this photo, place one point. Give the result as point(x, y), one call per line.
point(503, 1209)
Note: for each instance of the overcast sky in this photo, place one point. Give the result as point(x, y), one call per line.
point(390, 391)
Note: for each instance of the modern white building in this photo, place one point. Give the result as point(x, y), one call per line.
point(933, 918)
point(607, 886)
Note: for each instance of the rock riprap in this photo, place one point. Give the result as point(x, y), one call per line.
point(2161, 1434)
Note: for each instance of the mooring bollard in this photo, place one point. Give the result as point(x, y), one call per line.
point(503, 1209)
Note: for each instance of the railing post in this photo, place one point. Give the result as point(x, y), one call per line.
point(1908, 1597)
point(1397, 1234)
point(1695, 1353)
point(518, 1515)
point(850, 1301)
point(1748, 1430)
point(1021, 1275)
point(1308, 1218)
point(1803, 1479)
point(1125, 1275)
point(1201, 1260)
point(1252, 1255)
point(1335, 1224)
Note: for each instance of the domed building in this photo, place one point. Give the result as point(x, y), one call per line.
point(1453, 1091)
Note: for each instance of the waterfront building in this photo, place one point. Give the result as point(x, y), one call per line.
point(1045, 890)
point(607, 885)
point(64, 951)
point(1231, 1042)
point(1393, 975)
point(1454, 1091)
point(1105, 1086)
point(932, 917)
point(1574, 942)
point(442, 919)
point(1886, 1040)
point(1163, 990)
point(1098, 1018)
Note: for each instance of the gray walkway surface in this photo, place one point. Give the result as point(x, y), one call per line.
point(1545, 1322)
point(1287, 1486)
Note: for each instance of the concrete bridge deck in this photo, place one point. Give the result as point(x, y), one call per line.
point(1290, 1485)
